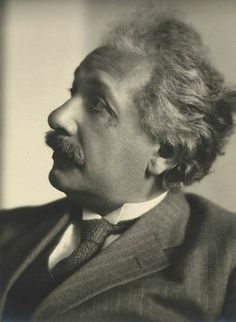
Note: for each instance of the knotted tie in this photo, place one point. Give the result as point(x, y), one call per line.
point(94, 233)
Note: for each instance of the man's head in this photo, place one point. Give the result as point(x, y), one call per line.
point(147, 107)
point(101, 126)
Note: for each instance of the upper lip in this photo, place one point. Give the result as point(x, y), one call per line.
point(58, 154)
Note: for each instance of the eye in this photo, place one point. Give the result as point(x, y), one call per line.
point(97, 104)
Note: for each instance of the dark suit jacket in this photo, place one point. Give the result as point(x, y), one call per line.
point(176, 263)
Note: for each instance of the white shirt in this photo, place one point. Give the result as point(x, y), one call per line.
point(70, 239)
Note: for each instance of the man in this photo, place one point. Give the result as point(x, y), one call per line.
point(148, 113)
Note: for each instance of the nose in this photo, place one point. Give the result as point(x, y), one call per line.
point(62, 119)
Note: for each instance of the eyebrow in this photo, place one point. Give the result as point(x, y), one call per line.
point(93, 82)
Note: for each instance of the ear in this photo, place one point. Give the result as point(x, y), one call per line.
point(159, 161)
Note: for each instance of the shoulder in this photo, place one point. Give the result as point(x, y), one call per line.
point(214, 225)
point(29, 213)
point(14, 222)
point(211, 212)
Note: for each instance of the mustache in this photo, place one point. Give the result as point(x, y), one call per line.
point(62, 145)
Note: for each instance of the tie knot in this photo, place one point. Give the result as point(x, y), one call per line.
point(96, 230)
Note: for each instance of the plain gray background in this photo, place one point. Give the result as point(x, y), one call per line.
point(43, 42)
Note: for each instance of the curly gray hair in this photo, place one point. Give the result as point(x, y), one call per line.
point(185, 103)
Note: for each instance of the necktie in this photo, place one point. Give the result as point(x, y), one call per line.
point(94, 233)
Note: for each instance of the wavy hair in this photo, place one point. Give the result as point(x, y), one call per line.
point(185, 104)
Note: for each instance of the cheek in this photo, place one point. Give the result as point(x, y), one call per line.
point(117, 156)
point(132, 159)
point(114, 150)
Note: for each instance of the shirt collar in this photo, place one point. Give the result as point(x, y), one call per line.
point(127, 212)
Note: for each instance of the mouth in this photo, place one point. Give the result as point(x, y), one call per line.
point(61, 161)
point(57, 156)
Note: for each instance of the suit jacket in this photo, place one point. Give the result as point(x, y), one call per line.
point(176, 263)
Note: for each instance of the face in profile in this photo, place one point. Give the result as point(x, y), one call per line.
point(100, 150)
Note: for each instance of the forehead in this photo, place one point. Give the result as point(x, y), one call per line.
point(114, 68)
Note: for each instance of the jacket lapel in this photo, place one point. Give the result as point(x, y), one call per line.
point(137, 253)
point(29, 246)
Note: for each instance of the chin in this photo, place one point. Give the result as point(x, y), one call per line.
point(70, 182)
point(58, 181)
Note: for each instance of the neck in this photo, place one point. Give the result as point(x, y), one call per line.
point(104, 206)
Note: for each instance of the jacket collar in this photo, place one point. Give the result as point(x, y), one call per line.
point(140, 251)
point(26, 248)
